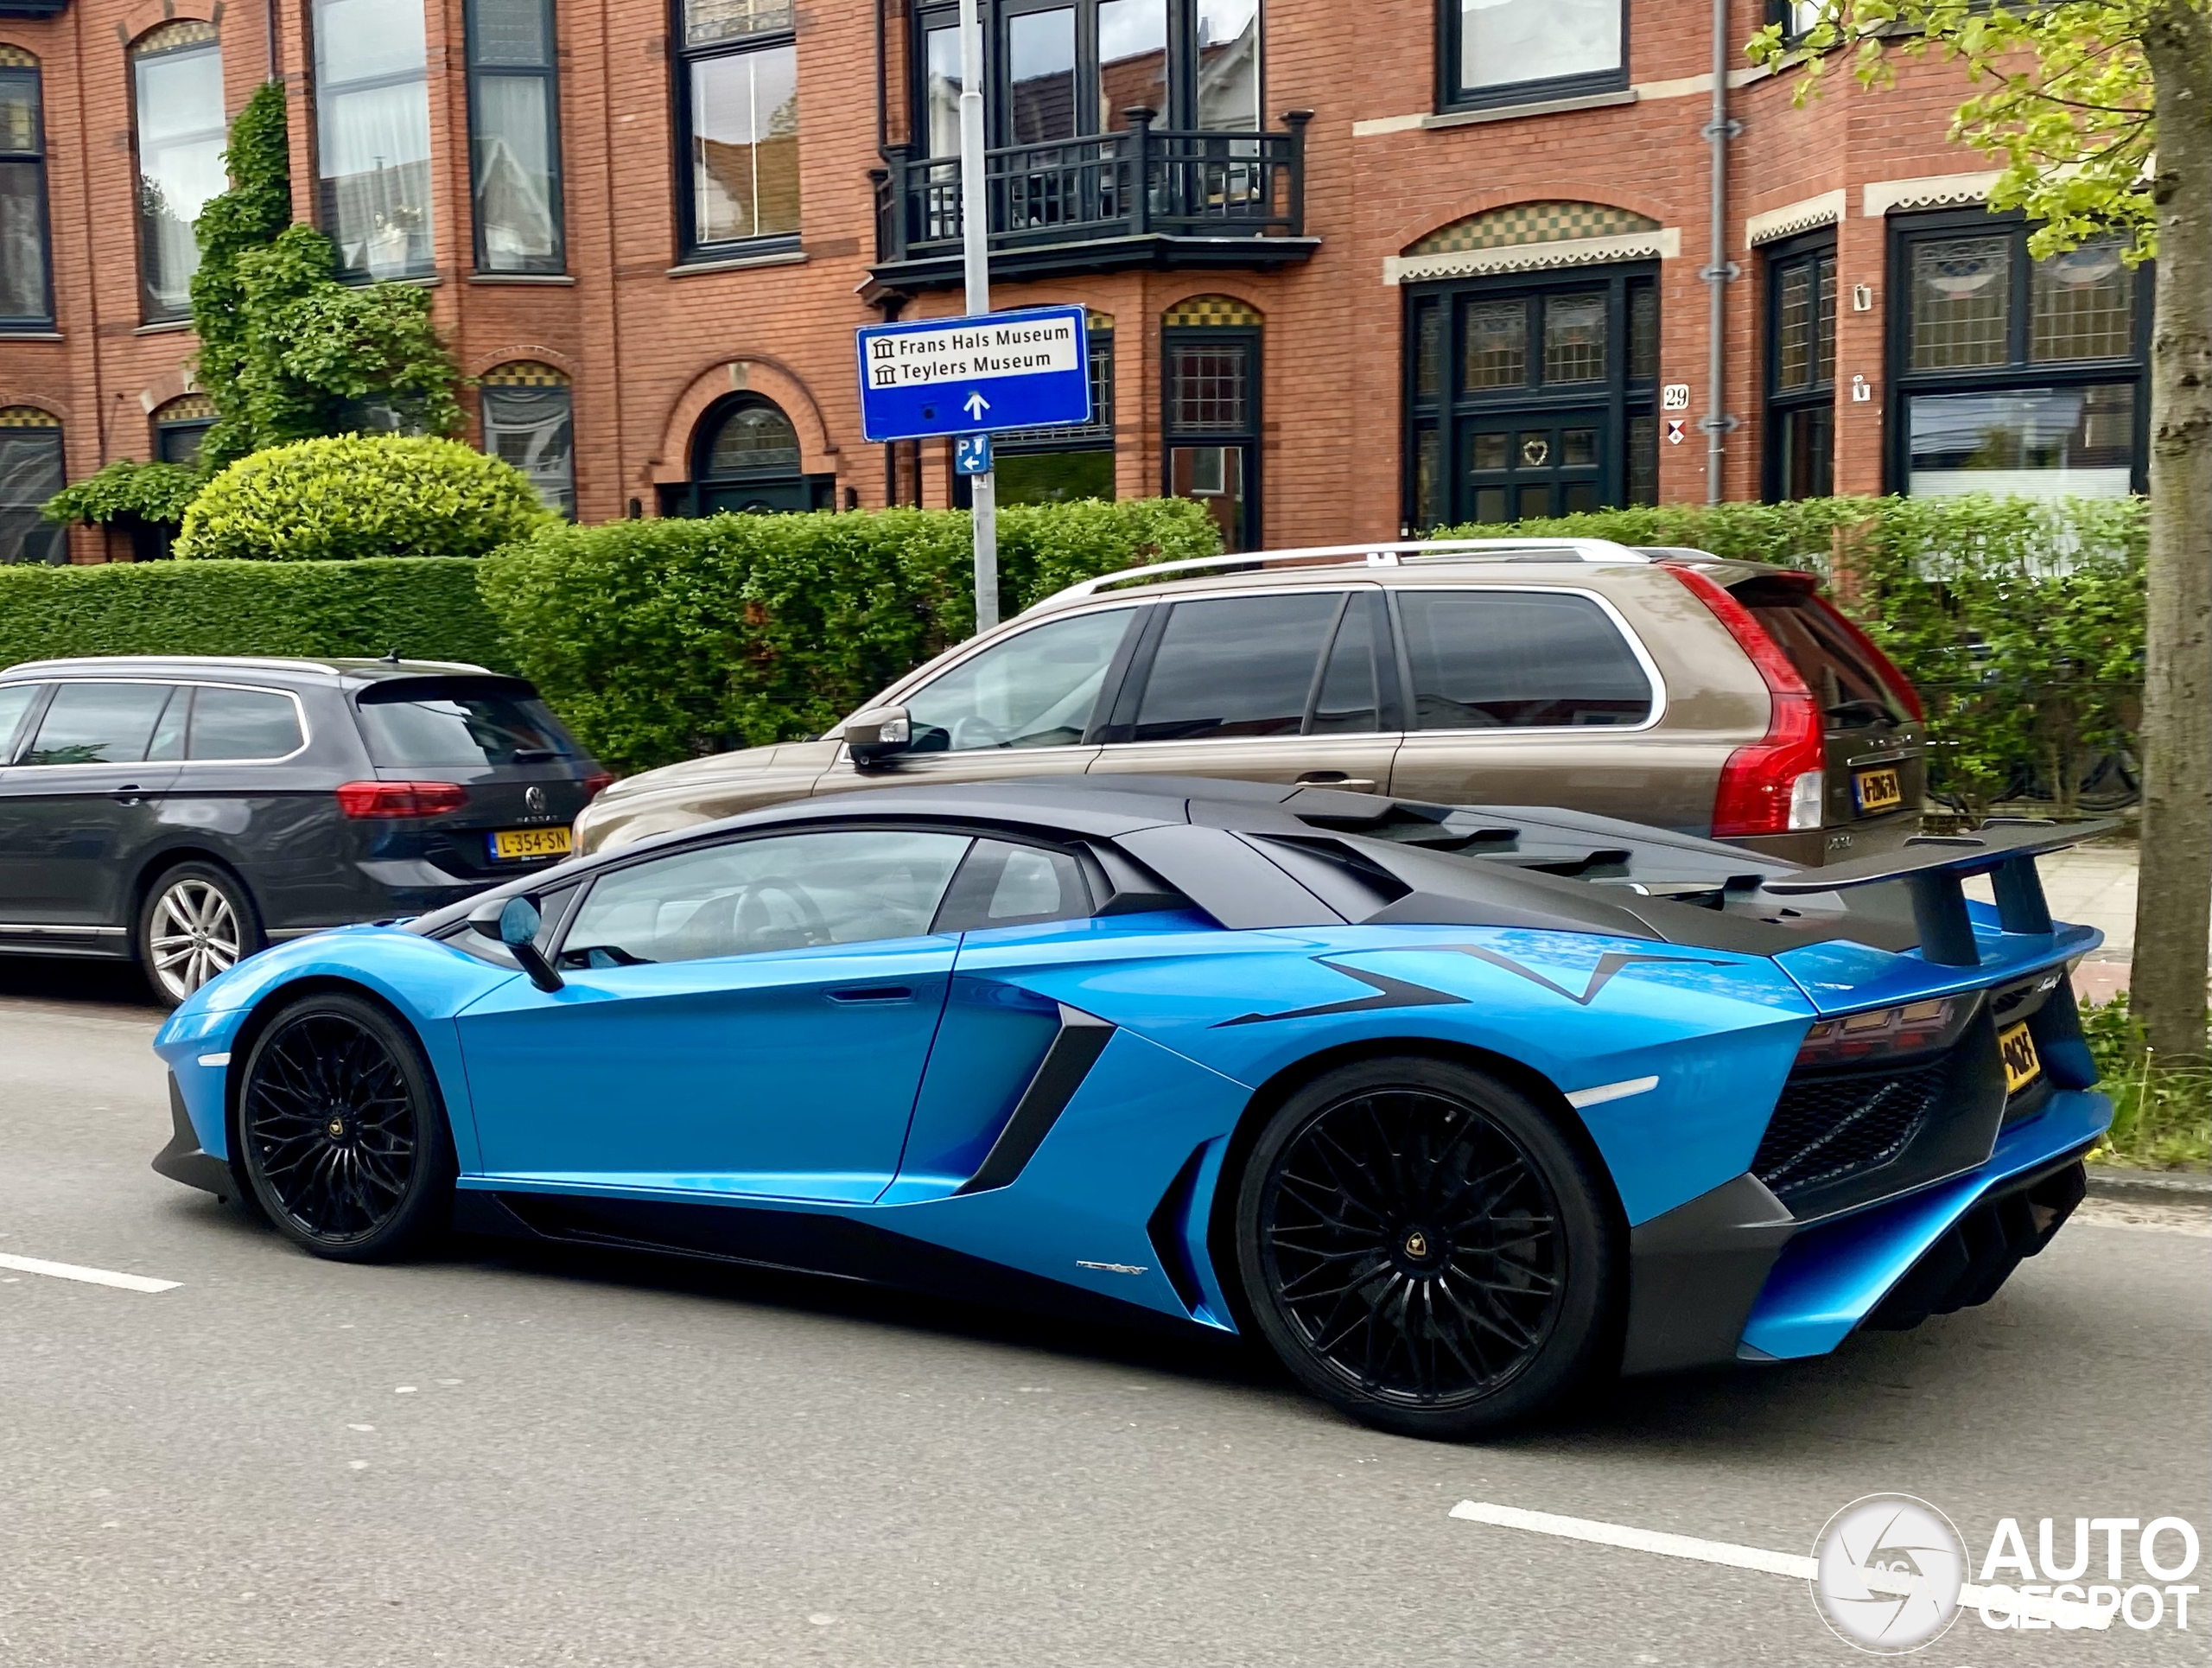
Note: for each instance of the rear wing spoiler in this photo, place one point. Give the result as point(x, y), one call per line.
point(1934, 867)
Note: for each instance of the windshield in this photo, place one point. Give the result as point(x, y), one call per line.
point(461, 722)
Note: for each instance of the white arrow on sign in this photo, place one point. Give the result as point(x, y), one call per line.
point(975, 405)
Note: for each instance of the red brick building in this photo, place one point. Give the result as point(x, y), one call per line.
point(1347, 271)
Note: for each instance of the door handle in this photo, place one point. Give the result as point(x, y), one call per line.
point(129, 794)
point(853, 993)
point(1337, 779)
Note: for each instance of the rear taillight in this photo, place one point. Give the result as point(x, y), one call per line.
point(1914, 1028)
point(595, 782)
point(401, 798)
point(1775, 785)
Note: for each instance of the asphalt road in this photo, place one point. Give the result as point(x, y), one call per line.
point(506, 1458)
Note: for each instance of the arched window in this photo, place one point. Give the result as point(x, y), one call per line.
point(176, 78)
point(746, 458)
point(30, 472)
point(179, 426)
point(26, 294)
point(529, 421)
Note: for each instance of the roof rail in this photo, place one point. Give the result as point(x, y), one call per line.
point(271, 662)
point(1383, 555)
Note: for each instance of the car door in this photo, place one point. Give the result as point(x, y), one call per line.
point(1025, 704)
point(748, 1017)
point(1536, 697)
point(1273, 686)
point(80, 802)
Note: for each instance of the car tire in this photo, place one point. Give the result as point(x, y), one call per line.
point(197, 920)
point(1426, 1249)
point(341, 1132)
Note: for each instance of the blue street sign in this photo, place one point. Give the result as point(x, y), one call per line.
point(971, 454)
point(1020, 370)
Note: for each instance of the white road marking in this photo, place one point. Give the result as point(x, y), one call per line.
point(1796, 1566)
point(90, 1277)
point(1605, 1091)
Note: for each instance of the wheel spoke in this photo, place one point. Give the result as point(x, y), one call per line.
point(324, 1073)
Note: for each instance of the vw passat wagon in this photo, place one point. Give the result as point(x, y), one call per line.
point(1719, 698)
point(185, 812)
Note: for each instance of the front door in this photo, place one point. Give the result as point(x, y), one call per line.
point(1518, 469)
point(1276, 687)
point(749, 1018)
point(83, 799)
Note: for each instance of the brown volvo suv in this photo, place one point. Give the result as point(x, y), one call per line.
point(1665, 687)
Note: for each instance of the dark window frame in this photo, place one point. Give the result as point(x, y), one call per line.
point(487, 397)
point(44, 543)
point(1247, 437)
point(1777, 260)
point(1451, 96)
point(151, 311)
point(688, 498)
point(682, 57)
point(1182, 114)
point(549, 75)
point(2018, 371)
point(323, 86)
point(35, 159)
point(1625, 395)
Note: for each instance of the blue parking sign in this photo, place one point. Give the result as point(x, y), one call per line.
point(971, 454)
point(1020, 370)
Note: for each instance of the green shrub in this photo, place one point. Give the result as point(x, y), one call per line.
point(350, 496)
point(661, 640)
point(428, 610)
point(123, 491)
point(2161, 1110)
point(2020, 621)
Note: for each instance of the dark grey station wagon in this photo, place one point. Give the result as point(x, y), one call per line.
point(185, 812)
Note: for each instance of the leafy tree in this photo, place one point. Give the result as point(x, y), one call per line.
point(2101, 111)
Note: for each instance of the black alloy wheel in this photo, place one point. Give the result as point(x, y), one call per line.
point(1425, 1249)
point(343, 1135)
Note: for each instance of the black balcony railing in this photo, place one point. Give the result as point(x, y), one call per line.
point(1143, 182)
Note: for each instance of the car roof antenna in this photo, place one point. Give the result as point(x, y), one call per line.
point(393, 655)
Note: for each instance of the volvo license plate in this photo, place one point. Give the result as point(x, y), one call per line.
point(2018, 1050)
point(1877, 790)
point(519, 844)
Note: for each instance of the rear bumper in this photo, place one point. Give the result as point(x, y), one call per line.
point(1730, 1276)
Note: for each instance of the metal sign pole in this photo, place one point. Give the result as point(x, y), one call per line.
point(976, 262)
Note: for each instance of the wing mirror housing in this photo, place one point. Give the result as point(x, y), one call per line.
point(515, 923)
point(877, 734)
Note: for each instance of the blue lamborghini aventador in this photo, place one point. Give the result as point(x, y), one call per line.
point(1455, 1109)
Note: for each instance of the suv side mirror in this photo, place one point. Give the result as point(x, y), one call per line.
point(515, 923)
point(877, 734)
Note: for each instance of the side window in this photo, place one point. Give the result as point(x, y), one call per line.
point(98, 724)
point(242, 724)
point(1033, 690)
point(1237, 666)
point(1347, 704)
point(1002, 884)
point(783, 892)
point(15, 700)
point(1485, 659)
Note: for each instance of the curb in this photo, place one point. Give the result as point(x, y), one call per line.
point(2149, 1186)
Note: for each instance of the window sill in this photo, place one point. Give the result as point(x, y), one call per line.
point(8, 333)
point(1534, 107)
point(163, 328)
point(364, 280)
point(556, 278)
point(737, 263)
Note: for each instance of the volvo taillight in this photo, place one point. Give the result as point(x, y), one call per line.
point(1775, 785)
point(401, 798)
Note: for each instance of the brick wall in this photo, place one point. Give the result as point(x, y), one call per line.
point(651, 347)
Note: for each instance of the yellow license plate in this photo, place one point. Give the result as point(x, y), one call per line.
point(2018, 1049)
point(511, 843)
point(1879, 790)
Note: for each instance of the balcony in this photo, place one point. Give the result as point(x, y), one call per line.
point(1145, 197)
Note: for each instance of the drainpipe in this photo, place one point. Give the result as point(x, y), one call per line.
point(1720, 271)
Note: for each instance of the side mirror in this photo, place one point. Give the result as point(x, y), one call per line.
point(877, 734)
point(515, 923)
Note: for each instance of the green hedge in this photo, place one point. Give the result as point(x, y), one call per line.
point(660, 640)
point(427, 608)
point(2020, 621)
point(656, 639)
